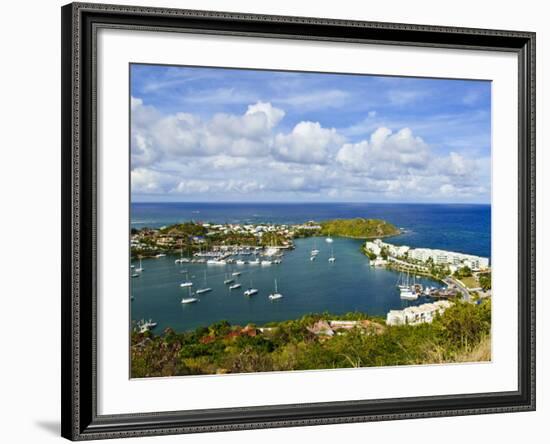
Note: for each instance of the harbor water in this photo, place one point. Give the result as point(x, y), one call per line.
point(348, 284)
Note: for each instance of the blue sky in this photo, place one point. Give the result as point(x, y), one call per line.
point(212, 134)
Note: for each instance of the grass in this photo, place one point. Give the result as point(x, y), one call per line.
point(481, 352)
point(470, 282)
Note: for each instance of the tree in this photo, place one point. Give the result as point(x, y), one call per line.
point(485, 281)
point(463, 272)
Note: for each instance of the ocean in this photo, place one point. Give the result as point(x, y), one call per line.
point(348, 284)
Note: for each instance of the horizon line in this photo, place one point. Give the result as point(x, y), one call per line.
point(308, 202)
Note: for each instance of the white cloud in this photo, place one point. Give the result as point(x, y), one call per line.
point(184, 134)
point(307, 143)
point(333, 98)
point(145, 181)
point(386, 152)
point(273, 115)
point(404, 97)
point(220, 96)
point(202, 186)
point(223, 162)
point(245, 155)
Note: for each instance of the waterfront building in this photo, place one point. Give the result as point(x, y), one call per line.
point(373, 247)
point(438, 257)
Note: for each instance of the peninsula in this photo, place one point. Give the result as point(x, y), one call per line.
point(359, 228)
point(192, 237)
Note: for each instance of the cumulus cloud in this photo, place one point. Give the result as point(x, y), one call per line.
point(187, 156)
point(307, 143)
point(385, 152)
point(272, 114)
point(184, 134)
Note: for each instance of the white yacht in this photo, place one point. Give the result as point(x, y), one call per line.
point(266, 262)
point(150, 323)
point(235, 286)
point(251, 291)
point(240, 262)
point(180, 259)
point(332, 258)
point(216, 262)
point(187, 282)
point(189, 300)
point(236, 273)
point(140, 268)
point(204, 289)
point(275, 295)
point(255, 262)
point(408, 294)
point(315, 251)
point(144, 326)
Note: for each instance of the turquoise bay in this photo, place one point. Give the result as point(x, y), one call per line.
point(349, 284)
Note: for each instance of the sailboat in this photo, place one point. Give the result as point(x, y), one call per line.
point(329, 239)
point(401, 282)
point(190, 299)
point(275, 295)
point(187, 282)
point(331, 258)
point(140, 268)
point(407, 291)
point(315, 251)
point(228, 280)
point(251, 291)
point(180, 260)
point(235, 286)
point(205, 289)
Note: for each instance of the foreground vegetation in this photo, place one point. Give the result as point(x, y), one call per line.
point(461, 334)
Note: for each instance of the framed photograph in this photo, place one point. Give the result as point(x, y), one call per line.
point(281, 221)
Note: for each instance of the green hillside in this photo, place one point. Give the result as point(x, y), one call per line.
point(358, 228)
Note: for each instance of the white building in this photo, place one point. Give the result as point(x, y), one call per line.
point(377, 245)
point(373, 247)
point(417, 314)
point(438, 257)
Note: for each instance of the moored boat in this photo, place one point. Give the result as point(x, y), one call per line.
point(275, 295)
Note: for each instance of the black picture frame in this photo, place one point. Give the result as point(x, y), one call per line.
point(80, 22)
